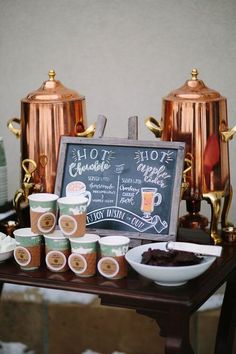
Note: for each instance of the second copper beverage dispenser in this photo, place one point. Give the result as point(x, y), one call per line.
point(46, 114)
point(197, 115)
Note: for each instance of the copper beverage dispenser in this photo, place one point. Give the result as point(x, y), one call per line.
point(46, 114)
point(197, 115)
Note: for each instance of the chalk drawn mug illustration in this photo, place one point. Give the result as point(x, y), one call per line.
point(149, 201)
point(78, 188)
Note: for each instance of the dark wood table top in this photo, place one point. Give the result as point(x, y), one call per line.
point(133, 291)
point(168, 306)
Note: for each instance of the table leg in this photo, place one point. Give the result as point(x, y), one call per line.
point(174, 326)
point(226, 326)
point(1, 287)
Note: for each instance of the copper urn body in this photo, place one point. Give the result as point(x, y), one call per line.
point(197, 115)
point(46, 114)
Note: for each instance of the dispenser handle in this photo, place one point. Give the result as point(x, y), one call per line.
point(154, 125)
point(228, 134)
point(12, 128)
point(88, 133)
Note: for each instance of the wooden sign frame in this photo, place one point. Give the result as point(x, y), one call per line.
point(122, 147)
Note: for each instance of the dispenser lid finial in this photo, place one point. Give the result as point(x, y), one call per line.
point(194, 74)
point(51, 74)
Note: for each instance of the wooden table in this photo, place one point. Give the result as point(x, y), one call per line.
point(227, 322)
point(171, 307)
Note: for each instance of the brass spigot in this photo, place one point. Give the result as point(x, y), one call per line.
point(28, 187)
point(187, 168)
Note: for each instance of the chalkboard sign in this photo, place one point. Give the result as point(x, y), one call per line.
point(134, 186)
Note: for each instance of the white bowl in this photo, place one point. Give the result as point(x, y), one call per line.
point(167, 276)
point(5, 255)
point(7, 246)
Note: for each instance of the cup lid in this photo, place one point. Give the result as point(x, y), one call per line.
point(56, 234)
point(43, 197)
point(114, 240)
point(85, 239)
point(25, 232)
point(73, 200)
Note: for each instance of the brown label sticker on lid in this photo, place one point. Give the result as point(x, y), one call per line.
point(108, 267)
point(77, 263)
point(67, 224)
point(22, 256)
point(46, 222)
point(55, 260)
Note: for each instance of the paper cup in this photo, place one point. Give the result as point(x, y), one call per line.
point(57, 249)
point(43, 210)
point(83, 259)
point(72, 220)
point(28, 251)
point(112, 264)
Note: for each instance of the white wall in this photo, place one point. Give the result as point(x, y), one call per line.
point(124, 56)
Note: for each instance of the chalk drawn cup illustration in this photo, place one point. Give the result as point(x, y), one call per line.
point(83, 259)
point(43, 211)
point(72, 220)
point(78, 188)
point(57, 248)
point(112, 263)
point(29, 248)
point(148, 201)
